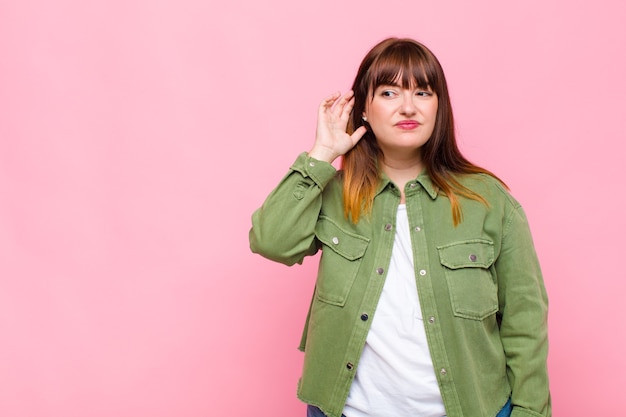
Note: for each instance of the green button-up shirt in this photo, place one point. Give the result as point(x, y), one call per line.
point(479, 284)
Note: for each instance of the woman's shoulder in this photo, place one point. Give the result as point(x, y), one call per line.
point(489, 187)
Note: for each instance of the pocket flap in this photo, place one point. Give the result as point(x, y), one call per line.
point(477, 253)
point(349, 245)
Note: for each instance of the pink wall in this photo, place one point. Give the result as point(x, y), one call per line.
point(137, 137)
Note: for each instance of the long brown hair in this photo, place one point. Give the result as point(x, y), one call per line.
point(408, 63)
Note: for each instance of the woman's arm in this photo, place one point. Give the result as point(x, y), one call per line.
point(283, 228)
point(524, 309)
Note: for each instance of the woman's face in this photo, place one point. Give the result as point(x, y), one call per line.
point(401, 119)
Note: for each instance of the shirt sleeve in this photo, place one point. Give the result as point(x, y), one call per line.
point(524, 308)
point(283, 228)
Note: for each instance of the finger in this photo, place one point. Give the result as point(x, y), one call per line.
point(348, 96)
point(347, 109)
point(328, 102)
point(345, 99)
point(339, 105)
point(358, 134)
point(331, 99)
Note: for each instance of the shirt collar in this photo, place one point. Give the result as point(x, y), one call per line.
point(428, 185)
point(423, 179)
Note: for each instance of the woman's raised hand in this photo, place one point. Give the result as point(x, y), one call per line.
point(331, 138)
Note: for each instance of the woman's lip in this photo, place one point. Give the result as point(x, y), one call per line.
point(407, 124)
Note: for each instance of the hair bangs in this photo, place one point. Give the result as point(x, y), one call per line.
point(405, 65)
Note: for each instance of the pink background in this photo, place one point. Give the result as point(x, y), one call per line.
point(137, 137)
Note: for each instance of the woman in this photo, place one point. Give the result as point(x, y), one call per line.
point(429, 299)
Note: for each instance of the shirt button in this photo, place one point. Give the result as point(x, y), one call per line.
point(412, 185)
point(335, 240)
point(364, 317)
point(311, 164)
point(443, 371)
point(431, 319)
point(380, 271)
point(422, 272)
point(472, 257)
point(417, 228)
point(349, 366)
point(388, 227)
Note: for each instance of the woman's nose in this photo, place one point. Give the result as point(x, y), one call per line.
point(408, 105)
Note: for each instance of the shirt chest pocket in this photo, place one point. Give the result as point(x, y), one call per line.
point(342, 253)
point(473, 291)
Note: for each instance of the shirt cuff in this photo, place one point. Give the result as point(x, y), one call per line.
point(321, 172)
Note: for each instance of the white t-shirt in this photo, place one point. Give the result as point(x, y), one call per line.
point(395, 376)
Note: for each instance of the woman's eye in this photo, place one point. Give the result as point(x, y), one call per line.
point(387, 93)
point(424, 93)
